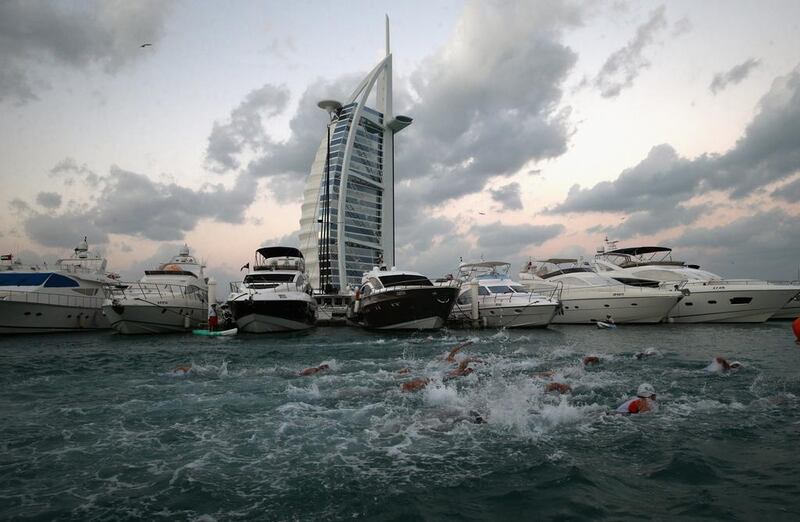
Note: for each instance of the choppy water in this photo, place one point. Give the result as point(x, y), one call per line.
point(99, 426)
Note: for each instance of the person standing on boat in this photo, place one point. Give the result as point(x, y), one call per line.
point(213, 320)
point(645, 400)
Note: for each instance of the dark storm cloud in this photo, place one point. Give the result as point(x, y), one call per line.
point(768, 152)
point(48, 199)
point(487, 103)
point(36, 35)
point(624, 65)
point(286, 164)
point(765, 245)
point(733, 76)
point(789, 192)
point(244, 129)
point(133, 204)
point(516, 237)
point(508, 196)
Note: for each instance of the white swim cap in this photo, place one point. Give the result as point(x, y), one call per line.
point(646, 391)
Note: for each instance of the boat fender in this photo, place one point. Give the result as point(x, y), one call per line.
point(187, 323)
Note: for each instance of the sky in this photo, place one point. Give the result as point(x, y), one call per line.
point(540, 128)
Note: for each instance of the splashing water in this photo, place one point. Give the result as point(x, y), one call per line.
point(99, 426)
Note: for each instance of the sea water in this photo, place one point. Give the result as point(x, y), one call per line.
point(103, 426)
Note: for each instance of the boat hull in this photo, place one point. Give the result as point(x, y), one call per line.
point(24, 317)
point(424, 308)
point(274, 315)
point(510, 315)
point(721, 305)
point(637, 310)
point(790, 310)
point(135, 317)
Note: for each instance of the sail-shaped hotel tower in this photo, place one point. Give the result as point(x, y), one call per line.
point(347, 222)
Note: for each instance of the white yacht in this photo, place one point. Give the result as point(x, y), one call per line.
point(171, 298)
point(276, 295)
point(490, 298)
point(709, 297)
point(589, 297)
point(64, 298)
point(401, 300)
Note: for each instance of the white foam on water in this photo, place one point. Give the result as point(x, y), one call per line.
point(309, 392)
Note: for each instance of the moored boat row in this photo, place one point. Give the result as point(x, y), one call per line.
point(619, 285)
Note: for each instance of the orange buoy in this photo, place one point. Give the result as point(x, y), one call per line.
point(796, 330)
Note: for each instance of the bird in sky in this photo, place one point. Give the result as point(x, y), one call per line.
point(146, 45)
point(482, 213)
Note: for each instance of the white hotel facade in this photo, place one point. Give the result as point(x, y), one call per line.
point(349, 228)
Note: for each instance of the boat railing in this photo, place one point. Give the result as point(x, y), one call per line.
point(442, 284)
point(280, 287)
point(80, 301)
point(155, 291)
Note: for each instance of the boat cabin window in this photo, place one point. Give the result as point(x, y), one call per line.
point(366, 290)
point(482, 290)
point(268, 278)
point(60, 281)
point(520, 289)
point(501, 289)
point(660, 275)
point(405, 279)
point(35, 279)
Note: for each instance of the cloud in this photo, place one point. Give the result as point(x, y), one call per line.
point(488, 101)
point(133, 204)
point(68, 167)
point(49, 200)
point(624, 65)
point(505, 240)
point(244, 128)
point(789, 192)
point(765, 245)
point(508, 196)
point(733, 76)
point(767, 152)
point(35, 36)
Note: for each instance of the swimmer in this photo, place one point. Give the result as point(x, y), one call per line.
point(314, 369)
point(720, 363)
point(463, 369)
point(545, 375)
point(559, 387)
point(451, 355)
point(591, 359)
point(647, 353)
point(645, 400)
point(182, 371)
point(403, 371)
point(415, 385)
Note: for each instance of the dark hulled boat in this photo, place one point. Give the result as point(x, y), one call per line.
point(400, 300)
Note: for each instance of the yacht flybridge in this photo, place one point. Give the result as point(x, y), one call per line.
point(171, 298)
point(709, 297)
point(65, 298)
point(490, 298)
point(276, 295)
point(589, 297)
point(401, 300)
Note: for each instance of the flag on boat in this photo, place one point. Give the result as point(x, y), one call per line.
point(6, 257)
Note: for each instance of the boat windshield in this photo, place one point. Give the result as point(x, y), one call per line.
point(405, 280)
point(268, 278)
point(500, 289)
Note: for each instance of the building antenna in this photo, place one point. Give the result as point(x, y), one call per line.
point(387, 36)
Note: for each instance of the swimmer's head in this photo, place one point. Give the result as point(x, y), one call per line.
point(324, 367)
point(646, 391)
